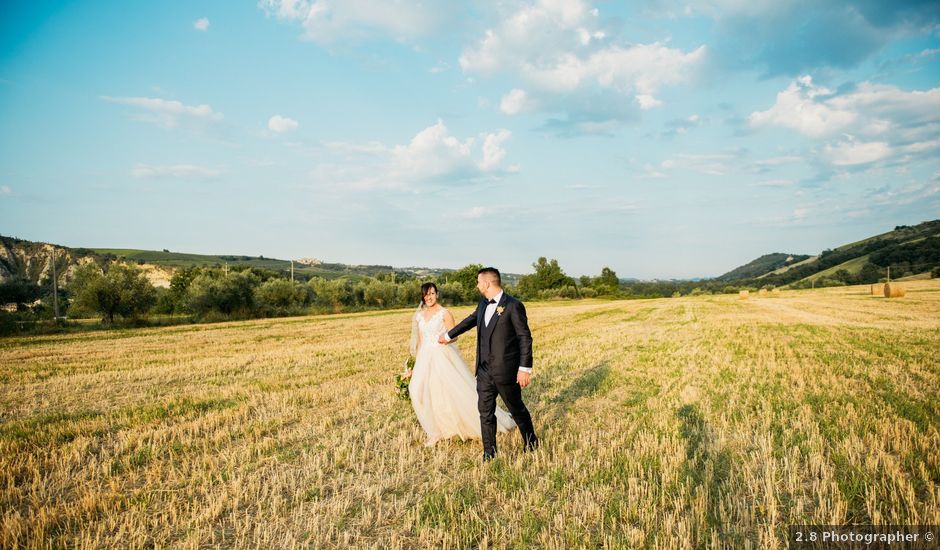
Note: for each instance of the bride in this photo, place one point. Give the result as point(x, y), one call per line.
point(443, 391)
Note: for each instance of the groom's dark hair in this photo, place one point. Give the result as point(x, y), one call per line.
point(492, 271)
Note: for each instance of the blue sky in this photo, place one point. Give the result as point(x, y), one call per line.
point(659, 138)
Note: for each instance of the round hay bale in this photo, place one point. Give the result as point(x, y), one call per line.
point(894, 290)
point(762, 292)
point(775, 293)
point(878, 289)
point(743, 295)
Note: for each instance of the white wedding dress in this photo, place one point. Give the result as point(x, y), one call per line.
point(443, 390)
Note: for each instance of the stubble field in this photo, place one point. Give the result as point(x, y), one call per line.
point(674, 423)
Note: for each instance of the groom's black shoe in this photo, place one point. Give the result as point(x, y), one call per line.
point(531, 445)
point(488, 457)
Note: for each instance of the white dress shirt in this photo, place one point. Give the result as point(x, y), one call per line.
point(491, 308)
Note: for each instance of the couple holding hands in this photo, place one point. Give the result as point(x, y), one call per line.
point(442, 389)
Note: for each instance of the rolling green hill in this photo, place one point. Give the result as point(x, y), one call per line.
point(907, 250)
point(324, 270)
point(853, 266)
point(181, 259)
point(760, 267)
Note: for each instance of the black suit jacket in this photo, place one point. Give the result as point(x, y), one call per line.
point(510, 339)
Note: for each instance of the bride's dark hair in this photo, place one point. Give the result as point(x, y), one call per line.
point(424, 291)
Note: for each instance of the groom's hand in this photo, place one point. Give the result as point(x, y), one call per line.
point(442, 339)
point(523, 378)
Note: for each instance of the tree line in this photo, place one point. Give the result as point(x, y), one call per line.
point(114, 291)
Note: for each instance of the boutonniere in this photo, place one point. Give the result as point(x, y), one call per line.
point(500, 310)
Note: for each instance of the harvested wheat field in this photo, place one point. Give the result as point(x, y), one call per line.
point(686, 422)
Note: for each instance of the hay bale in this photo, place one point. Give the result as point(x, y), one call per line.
point(878, 289)
point(762, 292)
point(894, 290)
point(775, 293)
point(743, 295)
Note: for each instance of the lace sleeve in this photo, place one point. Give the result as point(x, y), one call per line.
point(445, 312)
point(413, 344)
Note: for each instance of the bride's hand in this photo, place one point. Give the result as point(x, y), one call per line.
point(407, 374)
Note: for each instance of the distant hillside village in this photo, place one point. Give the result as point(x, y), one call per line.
point(139, 287)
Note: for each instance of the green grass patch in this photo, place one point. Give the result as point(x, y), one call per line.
point(448, 510)
point(52, 428)
point(177, 408)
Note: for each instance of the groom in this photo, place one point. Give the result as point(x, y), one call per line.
point(504, 358)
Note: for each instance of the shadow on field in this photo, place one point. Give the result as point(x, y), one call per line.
point(586, 384)
point(705, 468)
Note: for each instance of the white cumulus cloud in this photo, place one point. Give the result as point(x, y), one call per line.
point(327, 21)
point(803, 107)
point(515, 102)
point(432, 156)
point(280, 124)
point(647, 101)
point(714, 164)
point(493, 152)
point(867, 109)
point(175, 171)
point(850, 152)
point(867, 123)
point(433, 153)
point(558, 51)
point(167, 113)
point(201, 24)
point(473, 213)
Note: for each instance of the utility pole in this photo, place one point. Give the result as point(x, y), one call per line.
point(292, 271)
point(889, 273)
point(55, 288)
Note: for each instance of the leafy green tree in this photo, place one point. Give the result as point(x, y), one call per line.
point(228, 293)
point(409, 293)
point(843, 276)
point(467, 277)
point(122, 291)
point(174, 301)
point(380, 293)
point(335, 294)
point(281, 296)
point(455, 293)
point(19, 291)
point(607, 283)
point(870, 273)
point(354, 293)
point(548, 275)
point(608, 278)
point(165, 302)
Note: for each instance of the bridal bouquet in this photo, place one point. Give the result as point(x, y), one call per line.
point(401, 383)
